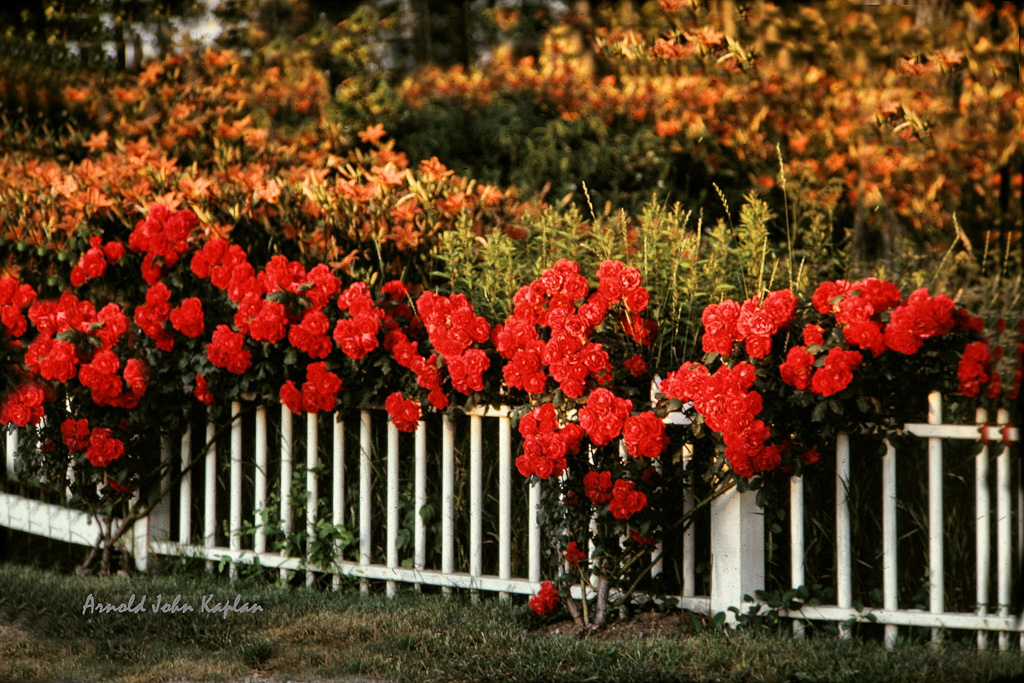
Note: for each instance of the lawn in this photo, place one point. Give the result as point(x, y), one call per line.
point(304, 635)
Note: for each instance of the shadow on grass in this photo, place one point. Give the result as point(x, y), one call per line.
point(310, 635)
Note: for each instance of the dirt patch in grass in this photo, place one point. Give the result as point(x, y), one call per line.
point(637, 627)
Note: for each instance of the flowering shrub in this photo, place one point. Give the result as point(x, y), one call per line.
point(200, 325)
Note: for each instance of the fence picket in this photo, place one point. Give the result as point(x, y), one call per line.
point(475, 499)
point(890, 594)
point(365, 519)
point(982, 512)
point(235, 514)
point(210, 496)
point(12, 449)
point(1004, 551)
point(690, 534)
point(312, 492)
point(392, 518)
point(338, 485)
point(185, 489)
point(533, 523)
point(286, 479)
point(844, 564)
point(796, 549)
point(504, 500)
point(447, 496)
point(936, 565)
point(420, 495)
point(260, 482)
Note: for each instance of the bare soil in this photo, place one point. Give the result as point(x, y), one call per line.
point(638, 626)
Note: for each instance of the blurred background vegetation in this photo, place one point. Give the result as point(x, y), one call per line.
point(867, 138)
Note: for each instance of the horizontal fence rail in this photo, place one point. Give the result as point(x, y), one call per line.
point(419, 505)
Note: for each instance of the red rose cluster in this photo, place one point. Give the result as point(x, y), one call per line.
point(974, 368)
point(404, 412)
point(597, 486)
point(545, 446)
point(553, 302)
point(546, 600)
point(227, 350)
point(104, 448)
point(93, 263)
point(319, 391)
point(644, 435)
point(729, 407)
point(23, 405)
point(227, 266)
point(357, 336)
point(604, 416)
point(453, 327)
point(99, 444)
point(162, 234)
point(573, 555)
point(101, 377)
point(425, 368)
point(188, 317)
point(752, 323)
point(151, 316)
point(626, 500)
point(202, 391)
point(15, 298)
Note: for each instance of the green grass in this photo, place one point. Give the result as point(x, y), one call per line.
point(313, 635)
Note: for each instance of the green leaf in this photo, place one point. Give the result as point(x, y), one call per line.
point(818, 415)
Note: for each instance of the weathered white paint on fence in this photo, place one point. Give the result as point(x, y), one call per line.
point(890, 595)
point(982, 505)
point(12, 450)
point(312, 497)
point(936, 565)
point(844, 558)
point(392, 503)
point(259, 541)
point(210, 495)
point(235, 521)
point(286, 478)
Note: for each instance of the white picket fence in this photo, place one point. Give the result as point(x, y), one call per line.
point(737, 538)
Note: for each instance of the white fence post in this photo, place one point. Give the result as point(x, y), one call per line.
point(12, 449)
point(737, 550)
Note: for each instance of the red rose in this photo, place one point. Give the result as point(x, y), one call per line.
point(75, 434)
point(103, 447)
point(796, 371)
point(404, 412)
point(188, 318)
point(626, 500)
point(598, 487)
point(573, 555)
point(201, 392)
point(546, 600)
point(644, 435)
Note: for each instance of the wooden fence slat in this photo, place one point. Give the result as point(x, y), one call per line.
point(392, 517)
point(365, 510)
point(982, 513)
point(504, 500)
point(447, 495)
point(936, 564)
point(312, 491)
point(210, 494)
point(260, 481)
point(235, 514)
point(890, 590)
point(338, 484)
point(286, 479)
point(844, 560)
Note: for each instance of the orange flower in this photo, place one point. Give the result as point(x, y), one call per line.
point(373, 134)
